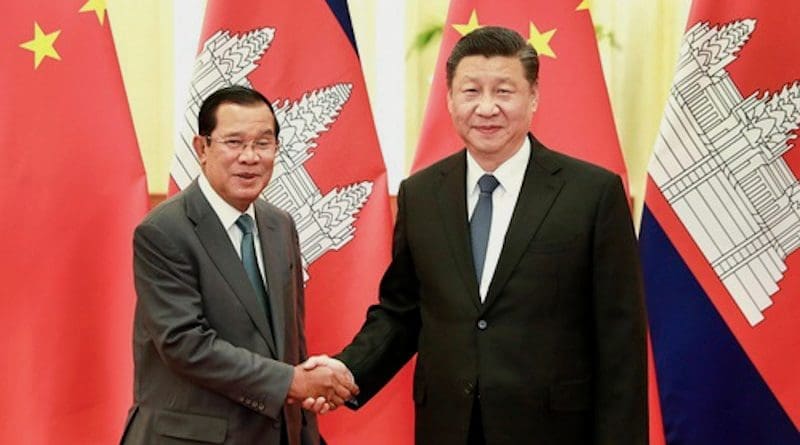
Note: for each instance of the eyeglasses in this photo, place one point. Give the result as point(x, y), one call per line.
point(237, 145)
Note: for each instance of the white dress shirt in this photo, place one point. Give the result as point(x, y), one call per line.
point(228, 215)
point(510, 174)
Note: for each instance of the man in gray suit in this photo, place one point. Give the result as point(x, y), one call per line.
point(218, 331)
point(514, 275)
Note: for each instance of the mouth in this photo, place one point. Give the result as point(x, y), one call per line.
point(247, 176)
point(487, 129)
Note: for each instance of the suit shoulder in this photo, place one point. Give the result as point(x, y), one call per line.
point(273, 212)
point(574, 168)
point(438, 168)
point(270, 208)
point(166, 211)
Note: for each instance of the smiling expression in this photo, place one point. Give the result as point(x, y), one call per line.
point(491, 104)
point(238, 177)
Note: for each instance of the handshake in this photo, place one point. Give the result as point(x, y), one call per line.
point(321, 384)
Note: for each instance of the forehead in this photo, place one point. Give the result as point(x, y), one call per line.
point(496, 68)
point(251, 116)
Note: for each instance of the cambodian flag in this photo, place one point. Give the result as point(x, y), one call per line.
point(721, 230)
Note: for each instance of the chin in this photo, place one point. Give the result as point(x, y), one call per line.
point(488, 150)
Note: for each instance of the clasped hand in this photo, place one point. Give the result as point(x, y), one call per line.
point(322, 384)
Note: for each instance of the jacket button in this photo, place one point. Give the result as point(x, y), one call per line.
point(482, 324)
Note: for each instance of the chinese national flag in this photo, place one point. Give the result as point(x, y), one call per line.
point(329, 174)
point(720, 235)
point(574, 115)
point(71, 192)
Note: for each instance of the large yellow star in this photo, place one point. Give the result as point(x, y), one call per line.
point(585, 4)
point(470, 26)
point(42, 45)
point(541, 41)
point(98, 6)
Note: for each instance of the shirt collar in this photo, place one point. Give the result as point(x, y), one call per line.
point(226, 213)
point(510, 173)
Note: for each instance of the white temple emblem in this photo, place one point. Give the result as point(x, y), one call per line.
point(718, 162)
point(324, 222)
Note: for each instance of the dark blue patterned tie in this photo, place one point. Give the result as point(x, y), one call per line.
point(245, 224)
point(481, 222)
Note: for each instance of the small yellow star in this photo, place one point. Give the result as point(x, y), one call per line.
point(541, 42)
point(98, 6)
point(470, 26)
point(585, 4)
point(42, 45)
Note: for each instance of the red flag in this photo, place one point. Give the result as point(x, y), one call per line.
point(329, 173)
point(574, 115)
point(71, 192)
point(721, 228)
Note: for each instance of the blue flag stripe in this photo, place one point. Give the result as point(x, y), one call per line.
point(710, 392)
point(342, 13)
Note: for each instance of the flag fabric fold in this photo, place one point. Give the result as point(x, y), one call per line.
point(72, 191)
point(721, 230)
point(329, 173)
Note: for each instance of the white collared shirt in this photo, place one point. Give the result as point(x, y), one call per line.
point(228, 215)
point(510, 174)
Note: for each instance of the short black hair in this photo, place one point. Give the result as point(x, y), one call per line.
point(490, 41)
point(236, 94)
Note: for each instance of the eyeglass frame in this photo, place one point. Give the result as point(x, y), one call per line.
point(244, 144)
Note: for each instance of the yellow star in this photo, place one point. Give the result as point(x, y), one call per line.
point(541, 42)
point(470, 26)
point(42, 45)
point(98, 6)
point(585, 4)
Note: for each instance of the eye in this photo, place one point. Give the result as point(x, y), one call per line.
point(265, 144)
point(234, 144)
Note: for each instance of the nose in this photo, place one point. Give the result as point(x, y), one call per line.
point(249, 152)
point(487, 106)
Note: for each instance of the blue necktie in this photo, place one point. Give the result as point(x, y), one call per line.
point(245, 224)
point(481, 222)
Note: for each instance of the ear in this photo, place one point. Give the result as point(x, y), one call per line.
point(199, 144)
point(534, 96)
point(450, 100)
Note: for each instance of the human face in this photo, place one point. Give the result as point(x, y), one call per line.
point(491, 104)
point(238, 176)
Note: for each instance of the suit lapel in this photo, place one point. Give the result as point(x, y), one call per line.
point(276, 258)
point(219, 248)
point(539, 191)
point(452, 200)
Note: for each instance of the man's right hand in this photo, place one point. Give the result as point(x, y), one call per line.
point(322, 377)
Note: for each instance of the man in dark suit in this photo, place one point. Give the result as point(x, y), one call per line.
point(514, 275)
point(218, 330)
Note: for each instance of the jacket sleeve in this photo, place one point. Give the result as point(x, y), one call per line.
point(619, 317)
point(388, 338)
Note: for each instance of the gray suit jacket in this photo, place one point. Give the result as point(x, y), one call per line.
point(556, 353)
point(207, 368)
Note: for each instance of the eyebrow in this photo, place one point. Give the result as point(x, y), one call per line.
point(500, 80)
point(269, 132)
